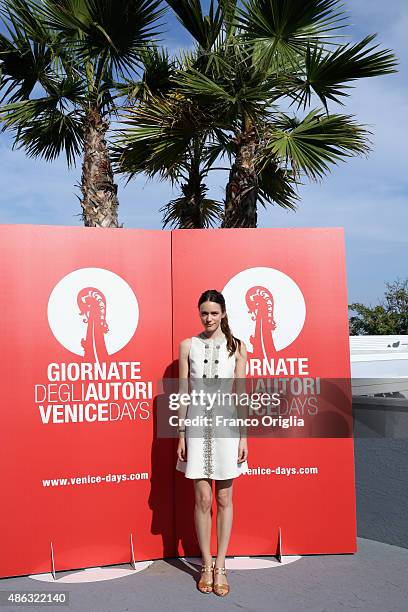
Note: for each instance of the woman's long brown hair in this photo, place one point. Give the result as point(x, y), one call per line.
point(212, 295)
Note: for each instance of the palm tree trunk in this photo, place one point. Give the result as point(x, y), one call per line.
point(186, 210)
point(242, 187)
point(193, 191)
point(99, 202)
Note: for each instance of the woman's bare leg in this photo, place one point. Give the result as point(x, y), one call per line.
point(223, 494)
point(202, 517)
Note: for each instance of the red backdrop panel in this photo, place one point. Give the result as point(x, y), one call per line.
point(78, 296)
point(111, 289)
point(286, 297)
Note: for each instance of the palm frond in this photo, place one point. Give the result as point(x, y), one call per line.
point(276, 185)
point(22, 65)
point(183, 213)
point(25, 17)
point(314, 143)
point(135, 153)
point(53, 134)
point(43, 130)
point(118, 30)
point(157, 78)
point(220, 144)
point(65, 90)
point(205, 29)
point(196, 83)
point(234, 90)
point(158, 135)
point(281, 29)
point(326, 73)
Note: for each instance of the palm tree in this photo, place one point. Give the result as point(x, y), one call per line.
point(165, 135)
point(270, 52)
point(64, 65)
point(165, 138)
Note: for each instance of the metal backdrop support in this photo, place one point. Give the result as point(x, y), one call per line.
point(132, 553)
point(280, 553)
point(52, 563)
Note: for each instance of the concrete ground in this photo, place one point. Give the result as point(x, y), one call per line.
point(374, 579)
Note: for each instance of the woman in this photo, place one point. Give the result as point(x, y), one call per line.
point(203, 455)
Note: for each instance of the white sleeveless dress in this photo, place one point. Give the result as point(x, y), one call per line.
point(211, 455)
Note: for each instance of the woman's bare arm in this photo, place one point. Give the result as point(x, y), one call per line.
point(184, 350)
point(240, 374)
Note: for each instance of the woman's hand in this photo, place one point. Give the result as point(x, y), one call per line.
point(242, 450)
point(181, 449)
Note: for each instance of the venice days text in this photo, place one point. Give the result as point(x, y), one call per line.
point(89, 392)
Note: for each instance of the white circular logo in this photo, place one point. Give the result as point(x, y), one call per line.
point(93, 312)
point(265, 309)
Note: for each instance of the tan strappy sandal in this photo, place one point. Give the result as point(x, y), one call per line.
point(220, 589)
point(206, 586)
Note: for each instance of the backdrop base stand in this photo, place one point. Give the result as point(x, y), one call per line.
point(132, 553)
point(279, 552)
point(52, 563)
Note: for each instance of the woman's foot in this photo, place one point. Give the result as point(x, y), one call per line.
point(205, 584)
point(221, 586)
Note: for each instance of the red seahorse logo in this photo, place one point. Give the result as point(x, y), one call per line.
point(260, 306)
point(92, 305)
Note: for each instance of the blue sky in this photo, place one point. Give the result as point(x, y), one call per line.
point(368, 197)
